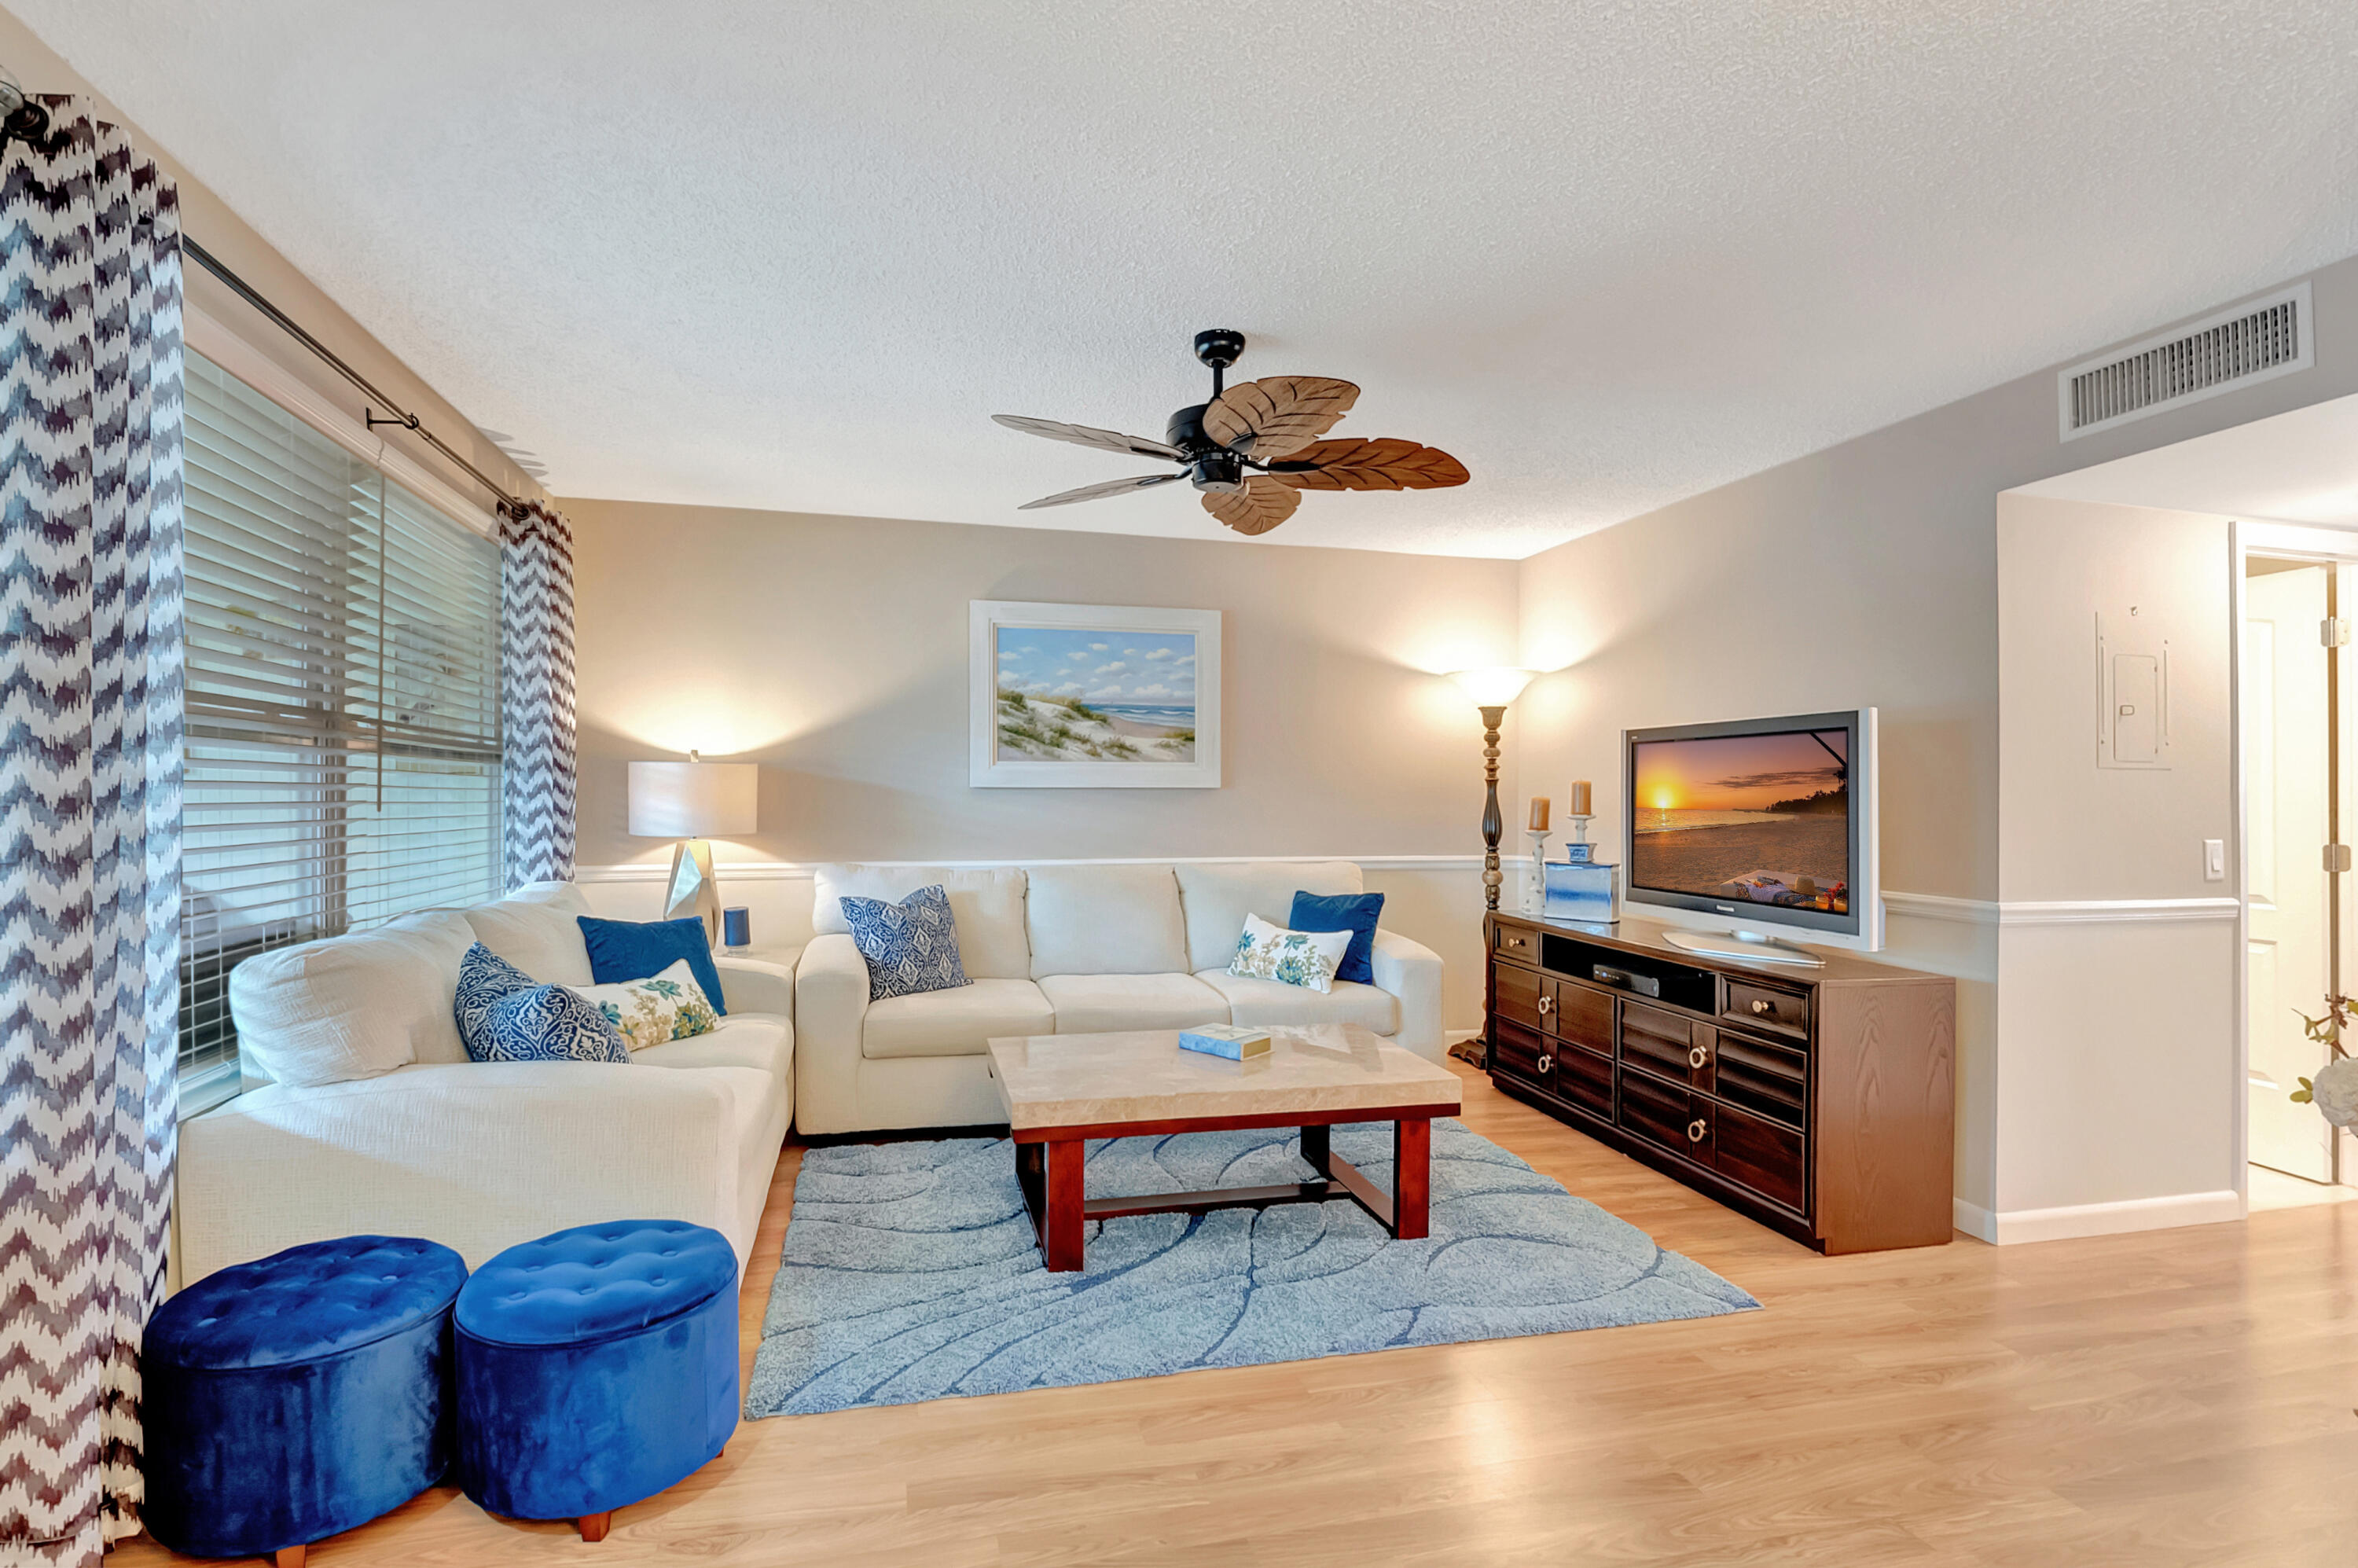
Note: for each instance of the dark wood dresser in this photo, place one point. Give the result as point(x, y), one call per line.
point(1820, 1102)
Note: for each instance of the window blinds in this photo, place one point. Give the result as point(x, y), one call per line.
point(343, 741)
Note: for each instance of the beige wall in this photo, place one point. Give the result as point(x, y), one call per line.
point(210, 222)
point(1869, 573)
point(833, 651)
point(2116, 1062)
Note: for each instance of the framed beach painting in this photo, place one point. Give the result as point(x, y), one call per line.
point(1094, 697)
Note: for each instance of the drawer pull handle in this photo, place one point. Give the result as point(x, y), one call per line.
point(1698, 1058)
point(1547, 1064)
point(1695, 1130)
point(1547, 1004)
point(1762, 1007)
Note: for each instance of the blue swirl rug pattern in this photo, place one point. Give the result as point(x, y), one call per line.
point(910, 1272)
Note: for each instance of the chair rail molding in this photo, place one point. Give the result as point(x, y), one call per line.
point(2058, 911)
point(803, 870)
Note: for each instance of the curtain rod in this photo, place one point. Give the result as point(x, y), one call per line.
point(508, 505)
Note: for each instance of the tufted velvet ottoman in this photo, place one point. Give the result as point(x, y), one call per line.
point(597, 1366)
point(302, 1394)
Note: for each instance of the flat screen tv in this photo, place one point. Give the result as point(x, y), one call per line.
point(1766, 823)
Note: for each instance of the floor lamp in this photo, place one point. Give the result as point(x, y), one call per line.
point(693, 801)
point(1493, 691)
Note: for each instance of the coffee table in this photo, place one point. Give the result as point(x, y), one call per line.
point(1060, 1090)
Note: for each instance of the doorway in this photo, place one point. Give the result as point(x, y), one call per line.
point(2295, 862)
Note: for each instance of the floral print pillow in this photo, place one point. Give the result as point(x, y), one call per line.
point(1305, 958)
point(671, 1006)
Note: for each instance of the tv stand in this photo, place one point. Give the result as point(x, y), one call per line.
point(1743, 947)
point(1820, 1102)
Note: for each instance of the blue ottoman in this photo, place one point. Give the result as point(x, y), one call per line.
point(299, 1395)
point(597, 1366)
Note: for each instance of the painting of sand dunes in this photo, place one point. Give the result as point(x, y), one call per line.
point(1095, 696)
point(1757, 818)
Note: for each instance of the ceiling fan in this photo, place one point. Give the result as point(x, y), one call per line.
point(1270, 427)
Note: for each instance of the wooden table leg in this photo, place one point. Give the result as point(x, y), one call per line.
point(1060, 1231)
point(291, 1556)
point(1411, 1179)
point(1318, 1147)
point(593, 1527)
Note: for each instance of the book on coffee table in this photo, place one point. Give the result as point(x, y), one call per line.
point(1234, 1041)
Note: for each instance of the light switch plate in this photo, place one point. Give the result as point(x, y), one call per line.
point(2214, 859)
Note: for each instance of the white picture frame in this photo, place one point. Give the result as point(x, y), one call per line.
point(1099, 704)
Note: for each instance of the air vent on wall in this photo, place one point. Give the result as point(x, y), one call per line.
point(2234, 349)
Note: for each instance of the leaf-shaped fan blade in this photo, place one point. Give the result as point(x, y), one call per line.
point(1098, 491)
point(1088, 435)
point(1261, 505)
point(1278, 414)
point(1379, 463)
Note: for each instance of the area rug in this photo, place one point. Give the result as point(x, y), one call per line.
point(910, 1272)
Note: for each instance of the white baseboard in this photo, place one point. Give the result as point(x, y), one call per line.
point(2008, 1227)
point(1459, 1036)
point(1974, 1220)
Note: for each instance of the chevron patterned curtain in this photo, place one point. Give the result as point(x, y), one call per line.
point(90, 808)
point(537, 696)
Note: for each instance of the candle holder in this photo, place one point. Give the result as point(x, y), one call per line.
point(1577, 850)
point(1535, 873)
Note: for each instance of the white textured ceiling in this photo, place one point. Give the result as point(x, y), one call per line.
point(1608, 255)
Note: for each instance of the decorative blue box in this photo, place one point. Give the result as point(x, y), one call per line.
point(1579, 854)
point(1578, 890)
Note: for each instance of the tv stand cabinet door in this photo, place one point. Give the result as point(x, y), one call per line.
point(1522, 995)
point(1582, 1015)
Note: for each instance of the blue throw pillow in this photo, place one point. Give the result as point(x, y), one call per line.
point(484, 978)
point(911, 947)
point(504, 1016)
point(1353, 912)
point(635, 950)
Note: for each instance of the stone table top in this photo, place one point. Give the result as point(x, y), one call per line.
point(1142, 1075)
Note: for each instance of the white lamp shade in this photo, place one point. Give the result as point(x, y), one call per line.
point(693, 800)
point(1493, 687)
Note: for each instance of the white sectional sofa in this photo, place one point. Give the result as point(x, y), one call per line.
point(378, 1122)
point(1065, 949)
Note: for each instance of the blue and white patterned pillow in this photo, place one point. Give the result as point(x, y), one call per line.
point(1304, 959)
point(911, 947)
point(506, 1016)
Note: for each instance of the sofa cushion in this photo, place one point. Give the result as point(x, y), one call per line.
point(987, 905)
point(1217, 898)
point(534, 929)
point(954, 1023)
point(354, 1007)
point(1271, 1003)
point(1106, 920)
point(1095, 1004)
point(740, 1039)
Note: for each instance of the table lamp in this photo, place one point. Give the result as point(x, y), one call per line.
point(691, 802)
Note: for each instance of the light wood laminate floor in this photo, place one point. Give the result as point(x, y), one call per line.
point(2175, 1397)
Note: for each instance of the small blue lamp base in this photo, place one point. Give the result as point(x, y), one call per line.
point(1581, 891)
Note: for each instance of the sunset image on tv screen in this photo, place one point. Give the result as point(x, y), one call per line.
point(1749, 818)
